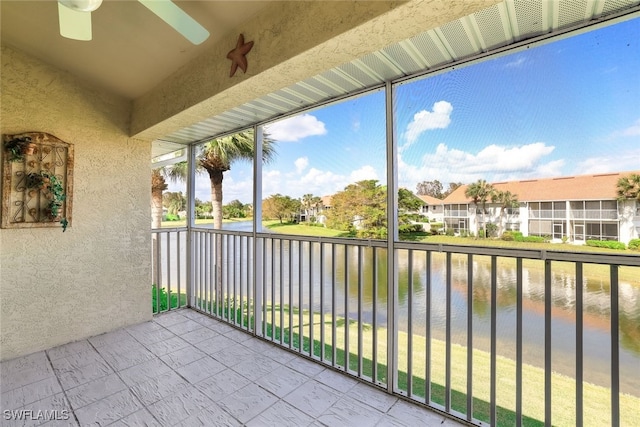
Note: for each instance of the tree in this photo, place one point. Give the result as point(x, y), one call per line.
point(280, 207)
point(310, 203)
point(174, 202)
point(452, 187)
point(430, 188)
point(480, 191)
point(407, 201)
point(234, 209)
point(219, 154)
point(506, 199)
point(158, 185)
point(628, 187)
point(203, 209)
point(361, 206)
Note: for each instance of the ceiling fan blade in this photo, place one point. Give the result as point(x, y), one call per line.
point(73, 24)
point(178, 19)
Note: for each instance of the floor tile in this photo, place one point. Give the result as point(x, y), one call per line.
point(313, 398)
point(212, 416)
point(158, 388)
point(109, 409)
point(233, 354)
point(256, 367)
point(222, 384)
point(248, 402)
point(182, 357)
point(22, 396)
point(179, 405)
point(369, 395)
point(167, 346)
point(282, 381)
point(141, 418)
point(200, 370)
point(336, 380)
point(184, 327)
point(144, 371)
point(199, 335)
point(83, 375)
point(348, 411)
point(411, 414)
point(95, 390)
point(68, 349)
point(281, 414)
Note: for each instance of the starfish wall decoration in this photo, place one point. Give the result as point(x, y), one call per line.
point(237, 55)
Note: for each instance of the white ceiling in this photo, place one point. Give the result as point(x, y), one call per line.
point(132, 50)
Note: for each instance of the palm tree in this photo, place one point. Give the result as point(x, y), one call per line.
point(628, 187)
point(506, 199)
point(158, 185)
point(216, 158)
point(480, 191)
point(218, 155)
point(310, 203)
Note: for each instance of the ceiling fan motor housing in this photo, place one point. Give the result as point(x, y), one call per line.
point(82, 5)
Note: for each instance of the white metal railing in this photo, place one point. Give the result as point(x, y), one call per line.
point(610, 214)
point(454, 306)
point(456, 213)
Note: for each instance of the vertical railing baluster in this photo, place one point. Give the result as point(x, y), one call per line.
point(210, 283)
point(360, 330)
point(264, 286)
point(273, 288)
point(519, 285)
point(374, 331)
point(158, 271)
point(447, 380)
point(334, 304)
point(231, 260)
point(178, 269)
point(469, 337)
point(427, 332)
point(226, 275)
point(346, 308)
point(291, 294)
point(410, 323)
point(242, 256)
point(615, 348)
point(547, 343)
point(494, 313)
point(322, 308)
point(169, 258)
point(280, 298)
point(579, 344)
point(300, 294)
point(311, 317)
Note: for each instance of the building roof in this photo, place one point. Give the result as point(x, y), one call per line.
point(581, 187)
point(428, 200)
point(326, 201)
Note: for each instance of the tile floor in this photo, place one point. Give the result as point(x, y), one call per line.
point(186, 369)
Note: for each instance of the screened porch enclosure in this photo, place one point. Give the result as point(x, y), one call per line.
point(493, 333)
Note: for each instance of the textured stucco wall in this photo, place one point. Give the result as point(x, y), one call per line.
point(293, 41)
point(59, 287)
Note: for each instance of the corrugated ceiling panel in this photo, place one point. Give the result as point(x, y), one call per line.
point(529, 18)
point(340, 80)
point(491, 25)
point(359, 75)
point(330, 90)
point(403, 58)
point(571, 12)
point(382, 65)
point(428, 49)
point(613, 6)
point(458, 39)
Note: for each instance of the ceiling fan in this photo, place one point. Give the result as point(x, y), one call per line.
point(75, 18)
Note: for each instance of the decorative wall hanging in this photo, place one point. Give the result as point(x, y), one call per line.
point(37, 181)
point(237, 55)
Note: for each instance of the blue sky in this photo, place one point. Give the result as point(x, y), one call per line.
point(564, 108)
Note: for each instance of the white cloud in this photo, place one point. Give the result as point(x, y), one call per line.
point(301, 164)
point(493, 163)
point(605, 164)
point(425, 120)
point(633, 130)
point(515, 63)
point(296, 128)
point(365, 172)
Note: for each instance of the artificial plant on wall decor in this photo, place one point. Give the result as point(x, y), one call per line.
point(37, 181)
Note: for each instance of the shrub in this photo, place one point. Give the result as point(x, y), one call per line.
point(509, 236)
point(450, 232)
point(492, 230)
point(410, 228)
point(634, 244)
point(532, 239)
point(609, 244)
point(172, 217)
